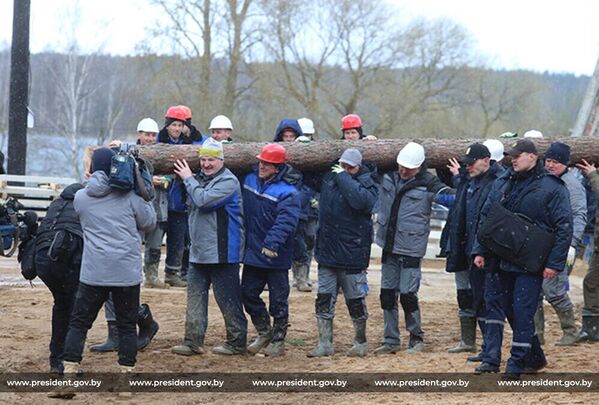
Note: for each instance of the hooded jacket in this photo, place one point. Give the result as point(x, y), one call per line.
point(287, 123)
point(344, 235)
point(271, 213)
point(112, 221)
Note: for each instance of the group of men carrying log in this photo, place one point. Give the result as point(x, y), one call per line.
point(267, 221)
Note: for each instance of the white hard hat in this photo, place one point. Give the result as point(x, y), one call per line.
point(496, 149)
point(533, 133)
point(306, 125)
point(221, 122)
point(148, 125)
point(411, 156)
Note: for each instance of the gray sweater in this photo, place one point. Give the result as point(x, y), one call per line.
point(112, 222)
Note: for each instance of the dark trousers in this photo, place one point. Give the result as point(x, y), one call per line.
point(88, 302)
point(253, 281)
point(62, 280)
point(176, 231)
point(224, 279)
point(513, 296)
point(300, 247)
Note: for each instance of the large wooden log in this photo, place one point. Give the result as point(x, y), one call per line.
point(317, 156)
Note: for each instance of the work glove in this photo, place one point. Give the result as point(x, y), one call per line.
point(302, 139)
point(337, 169)
point(269, 253)
point(314, 203)
point(226, 142)
point(571, 256)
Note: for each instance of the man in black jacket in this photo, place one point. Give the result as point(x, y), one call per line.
point(473, 186)
point(347, 196)
point(512, 291)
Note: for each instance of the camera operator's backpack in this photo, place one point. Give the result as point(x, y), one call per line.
point(128, 172)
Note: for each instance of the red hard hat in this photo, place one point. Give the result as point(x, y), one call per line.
point(176, 113)
point(351, 121)
point(273, 153)
point(187, 111)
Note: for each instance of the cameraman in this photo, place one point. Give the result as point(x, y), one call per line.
point(59, 245)
point(112, 221)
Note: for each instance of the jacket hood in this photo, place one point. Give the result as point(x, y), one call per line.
point(292, 176)
point(286, 173)
point(69, 192)
point(290, 123)
point(97, 185)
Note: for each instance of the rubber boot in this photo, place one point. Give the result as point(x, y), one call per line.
point(415, 345)
point(325, 339)
point(124, 381)
point(568, 324)
point(174, 280)
point(148, 327)
point(303, 275)
point(151, 279)
point(276, 346)
point(295, 272)
point(479, 357)
point(590, 329)
point(360, 347)
point(71, 369)
point(262, 324)
point(112, 340)
point(540, 324)
point(468, 331)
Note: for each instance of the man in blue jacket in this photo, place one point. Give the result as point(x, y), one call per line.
point(217, 244)
point(530, 190)
point(473, 186)
point(344, 238)
point(289, 130)
point(272, 208)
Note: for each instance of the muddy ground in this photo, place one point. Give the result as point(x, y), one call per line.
point(25, 314)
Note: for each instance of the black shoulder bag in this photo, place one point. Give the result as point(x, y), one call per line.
point(515, 237)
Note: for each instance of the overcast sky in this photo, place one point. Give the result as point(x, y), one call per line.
point(553, 35)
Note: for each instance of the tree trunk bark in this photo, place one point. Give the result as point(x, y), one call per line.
point(318, 156)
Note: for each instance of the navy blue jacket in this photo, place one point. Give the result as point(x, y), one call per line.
point(271, 212)
point(461, 235)
point(290, 123)
point(544, 199)
point(344, 235)
point(177, 196)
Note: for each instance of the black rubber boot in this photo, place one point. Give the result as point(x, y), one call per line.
point(468, 336)
point(148, 327)
point(277, 344)
point(112, 340)
point(262, 324)
point(590, 329)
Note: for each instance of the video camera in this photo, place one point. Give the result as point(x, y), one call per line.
point(129, 172)
point(14, 226)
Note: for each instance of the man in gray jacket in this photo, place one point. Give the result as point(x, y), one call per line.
point(406, 199)
point(217, 243)
point(555, 290)
point(113, 221)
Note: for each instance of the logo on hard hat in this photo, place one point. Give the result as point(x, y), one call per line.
point(468, 151)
